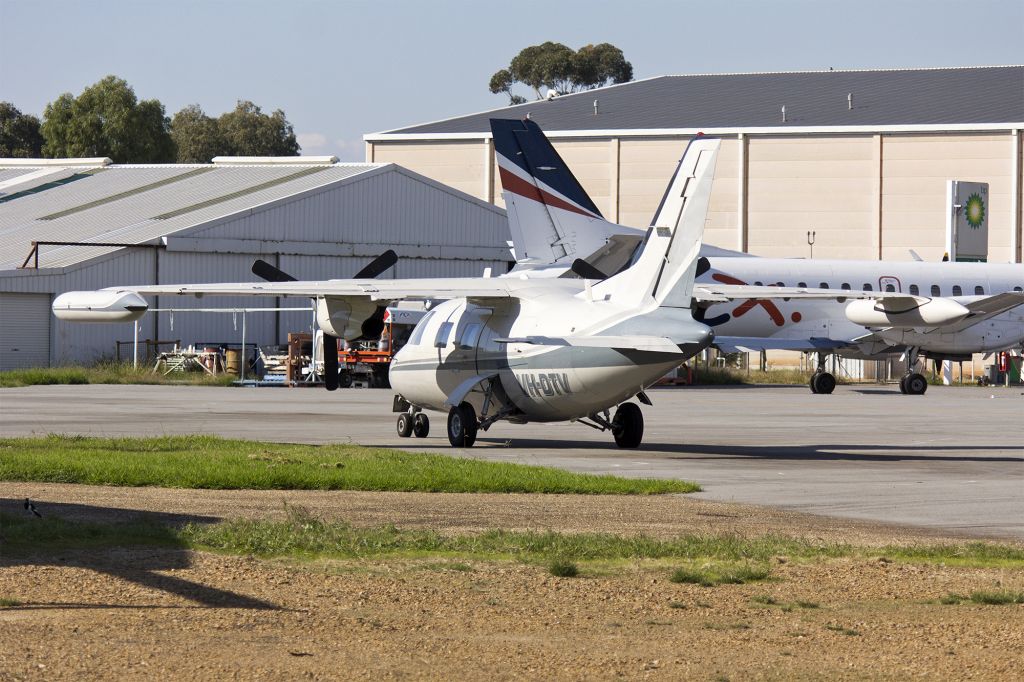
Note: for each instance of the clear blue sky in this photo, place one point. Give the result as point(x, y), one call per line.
point(342, 69)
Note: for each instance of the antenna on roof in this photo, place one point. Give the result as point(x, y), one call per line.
point(783, 113)
point(849, 101)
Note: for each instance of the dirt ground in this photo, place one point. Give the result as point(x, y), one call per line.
point(168, 613)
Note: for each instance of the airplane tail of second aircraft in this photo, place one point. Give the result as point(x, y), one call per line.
point(550, 215)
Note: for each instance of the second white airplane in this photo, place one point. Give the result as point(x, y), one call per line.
point(942, 310)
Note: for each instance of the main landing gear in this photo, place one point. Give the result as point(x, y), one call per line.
point(913, 383)
point(627, 426)
point(822, 381)
point(462, 425)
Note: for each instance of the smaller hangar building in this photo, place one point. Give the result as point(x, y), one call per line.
point(85, 224)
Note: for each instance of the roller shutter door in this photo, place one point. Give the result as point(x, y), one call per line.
point(24, 331)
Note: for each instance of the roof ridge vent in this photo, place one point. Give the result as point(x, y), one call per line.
point(91, 161)
point(274, 160)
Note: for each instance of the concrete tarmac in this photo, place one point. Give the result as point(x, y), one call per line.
point(952, 459)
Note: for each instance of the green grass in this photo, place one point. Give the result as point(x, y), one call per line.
point(560, 568)
point(106, 373)
point(720, 574)
point(7, 602)
point(715, 559)
point(210, 462)
point(990, 598)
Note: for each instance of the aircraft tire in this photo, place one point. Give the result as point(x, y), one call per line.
point(825, 383)
point(462, 426)
point(628, 425)
point(345, 380)
point(814, 383)
point(903, 385)
point(420, 425)
point(404, 425)
point(916, 384)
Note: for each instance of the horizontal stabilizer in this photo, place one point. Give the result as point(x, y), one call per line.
point(650, 344)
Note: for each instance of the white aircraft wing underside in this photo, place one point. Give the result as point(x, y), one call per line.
point(749, 344)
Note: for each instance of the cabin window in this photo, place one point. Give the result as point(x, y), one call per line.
point(915, 290)
point(957, 291)
point(936, 291)
point(891, 288)
point(824, 285)
point(1018, 289)
point(470, 335)
point(802, 285)
point(867, 287)
point(443, 332)
point(845, 285)
point(417, 333)
point(758, 284)
point(979, 290)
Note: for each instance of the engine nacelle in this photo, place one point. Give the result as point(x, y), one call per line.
point(99, 306)
point(344, 317)
point(905, 311)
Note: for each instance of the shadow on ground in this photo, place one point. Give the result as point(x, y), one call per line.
point(143, 562)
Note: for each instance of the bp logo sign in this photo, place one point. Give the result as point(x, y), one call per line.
point(974, 211)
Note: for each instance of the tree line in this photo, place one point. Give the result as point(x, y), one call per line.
point(107, 119)
point(562, 70)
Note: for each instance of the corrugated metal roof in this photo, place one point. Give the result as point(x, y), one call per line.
point(135, 204)
point(948, 96)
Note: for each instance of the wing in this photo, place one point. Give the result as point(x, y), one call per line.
point(749, 344)
point(712, 292)
point(343, 307)
point(374, 290)
point(983, 309)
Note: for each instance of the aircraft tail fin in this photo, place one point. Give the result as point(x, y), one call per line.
point(550, 215)
point(665, 265)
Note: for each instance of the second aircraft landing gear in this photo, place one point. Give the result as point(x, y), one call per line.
point(913, 383)
point(822, 381)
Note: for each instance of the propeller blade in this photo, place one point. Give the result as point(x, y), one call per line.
point(703, 265)
point(330, 362)
point(378, 265)
point(586, 270)
point(265, 270)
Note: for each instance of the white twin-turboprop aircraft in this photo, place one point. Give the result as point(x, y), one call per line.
point(943, 310)
point(511, 348)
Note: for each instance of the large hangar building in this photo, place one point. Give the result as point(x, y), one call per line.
point(861, 158)
point(86, 224)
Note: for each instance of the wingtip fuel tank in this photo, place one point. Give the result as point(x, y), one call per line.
point(100, 306)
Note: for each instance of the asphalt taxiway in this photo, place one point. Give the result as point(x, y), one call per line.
point(952, 459)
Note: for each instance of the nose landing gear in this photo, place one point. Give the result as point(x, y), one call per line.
point(413, 424)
